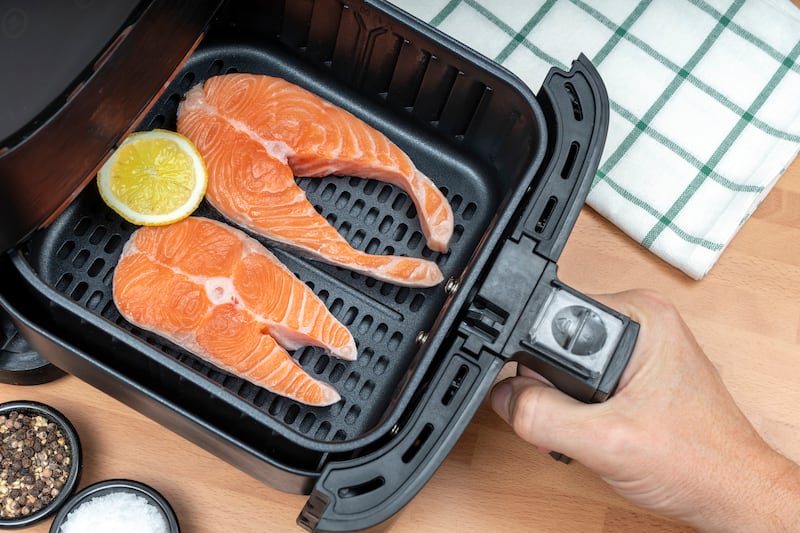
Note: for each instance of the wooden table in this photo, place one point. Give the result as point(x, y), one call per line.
point(745, 314)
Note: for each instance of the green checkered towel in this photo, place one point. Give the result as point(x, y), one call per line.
point(705, 102)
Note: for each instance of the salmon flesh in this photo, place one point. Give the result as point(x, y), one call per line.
point(220, 294)
point(256, 133)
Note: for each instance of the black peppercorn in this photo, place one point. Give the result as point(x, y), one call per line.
point(35, 463)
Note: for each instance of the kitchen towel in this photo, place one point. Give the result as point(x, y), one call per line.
point(704, 95)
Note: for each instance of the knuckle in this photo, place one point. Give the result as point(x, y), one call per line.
point(656, 304)
point(654, 297)
point(619, 438)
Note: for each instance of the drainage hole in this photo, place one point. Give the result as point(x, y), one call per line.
point(96, 267)
point(79, 290)
point(352, 415)
point(81, 259)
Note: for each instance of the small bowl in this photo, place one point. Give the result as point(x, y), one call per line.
point(32, 409)
point(110, 486)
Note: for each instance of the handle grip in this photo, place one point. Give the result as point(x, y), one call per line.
point(578, 344)
point(575, 342)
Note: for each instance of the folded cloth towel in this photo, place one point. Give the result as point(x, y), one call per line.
point(704, 94)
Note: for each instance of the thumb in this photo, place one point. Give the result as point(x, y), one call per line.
point(546, 417)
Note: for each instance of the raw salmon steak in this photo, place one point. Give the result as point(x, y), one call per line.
point(256, 133)
point(221, 295)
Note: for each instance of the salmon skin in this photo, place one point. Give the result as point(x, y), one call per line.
point(220, 294)
point(256, 133)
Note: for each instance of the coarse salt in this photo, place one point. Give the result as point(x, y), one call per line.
point(117, 512)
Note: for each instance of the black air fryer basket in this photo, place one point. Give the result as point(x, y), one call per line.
point(516, 169)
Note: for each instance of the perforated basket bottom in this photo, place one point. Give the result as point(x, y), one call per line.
point(76, 255)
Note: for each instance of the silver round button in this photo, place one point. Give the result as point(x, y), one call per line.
point(579, 330)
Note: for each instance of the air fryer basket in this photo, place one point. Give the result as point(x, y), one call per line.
point(75, 255)
point(478, 133)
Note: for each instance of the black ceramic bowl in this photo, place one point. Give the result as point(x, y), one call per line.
point(111, 486)
point(27, 467)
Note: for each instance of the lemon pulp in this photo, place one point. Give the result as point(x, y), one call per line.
point(155, 177)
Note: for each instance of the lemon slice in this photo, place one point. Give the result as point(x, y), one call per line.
point(154, 178)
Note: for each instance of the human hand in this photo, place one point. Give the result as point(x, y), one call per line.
point(671, 439)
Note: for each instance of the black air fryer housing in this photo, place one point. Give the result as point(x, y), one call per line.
point(515, 167)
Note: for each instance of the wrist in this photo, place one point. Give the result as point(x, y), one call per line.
point(764, 495)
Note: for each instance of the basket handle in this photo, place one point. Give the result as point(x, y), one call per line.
point(504, 319)
point(521, 311)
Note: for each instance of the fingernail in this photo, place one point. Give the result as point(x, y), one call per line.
point(501, 393)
